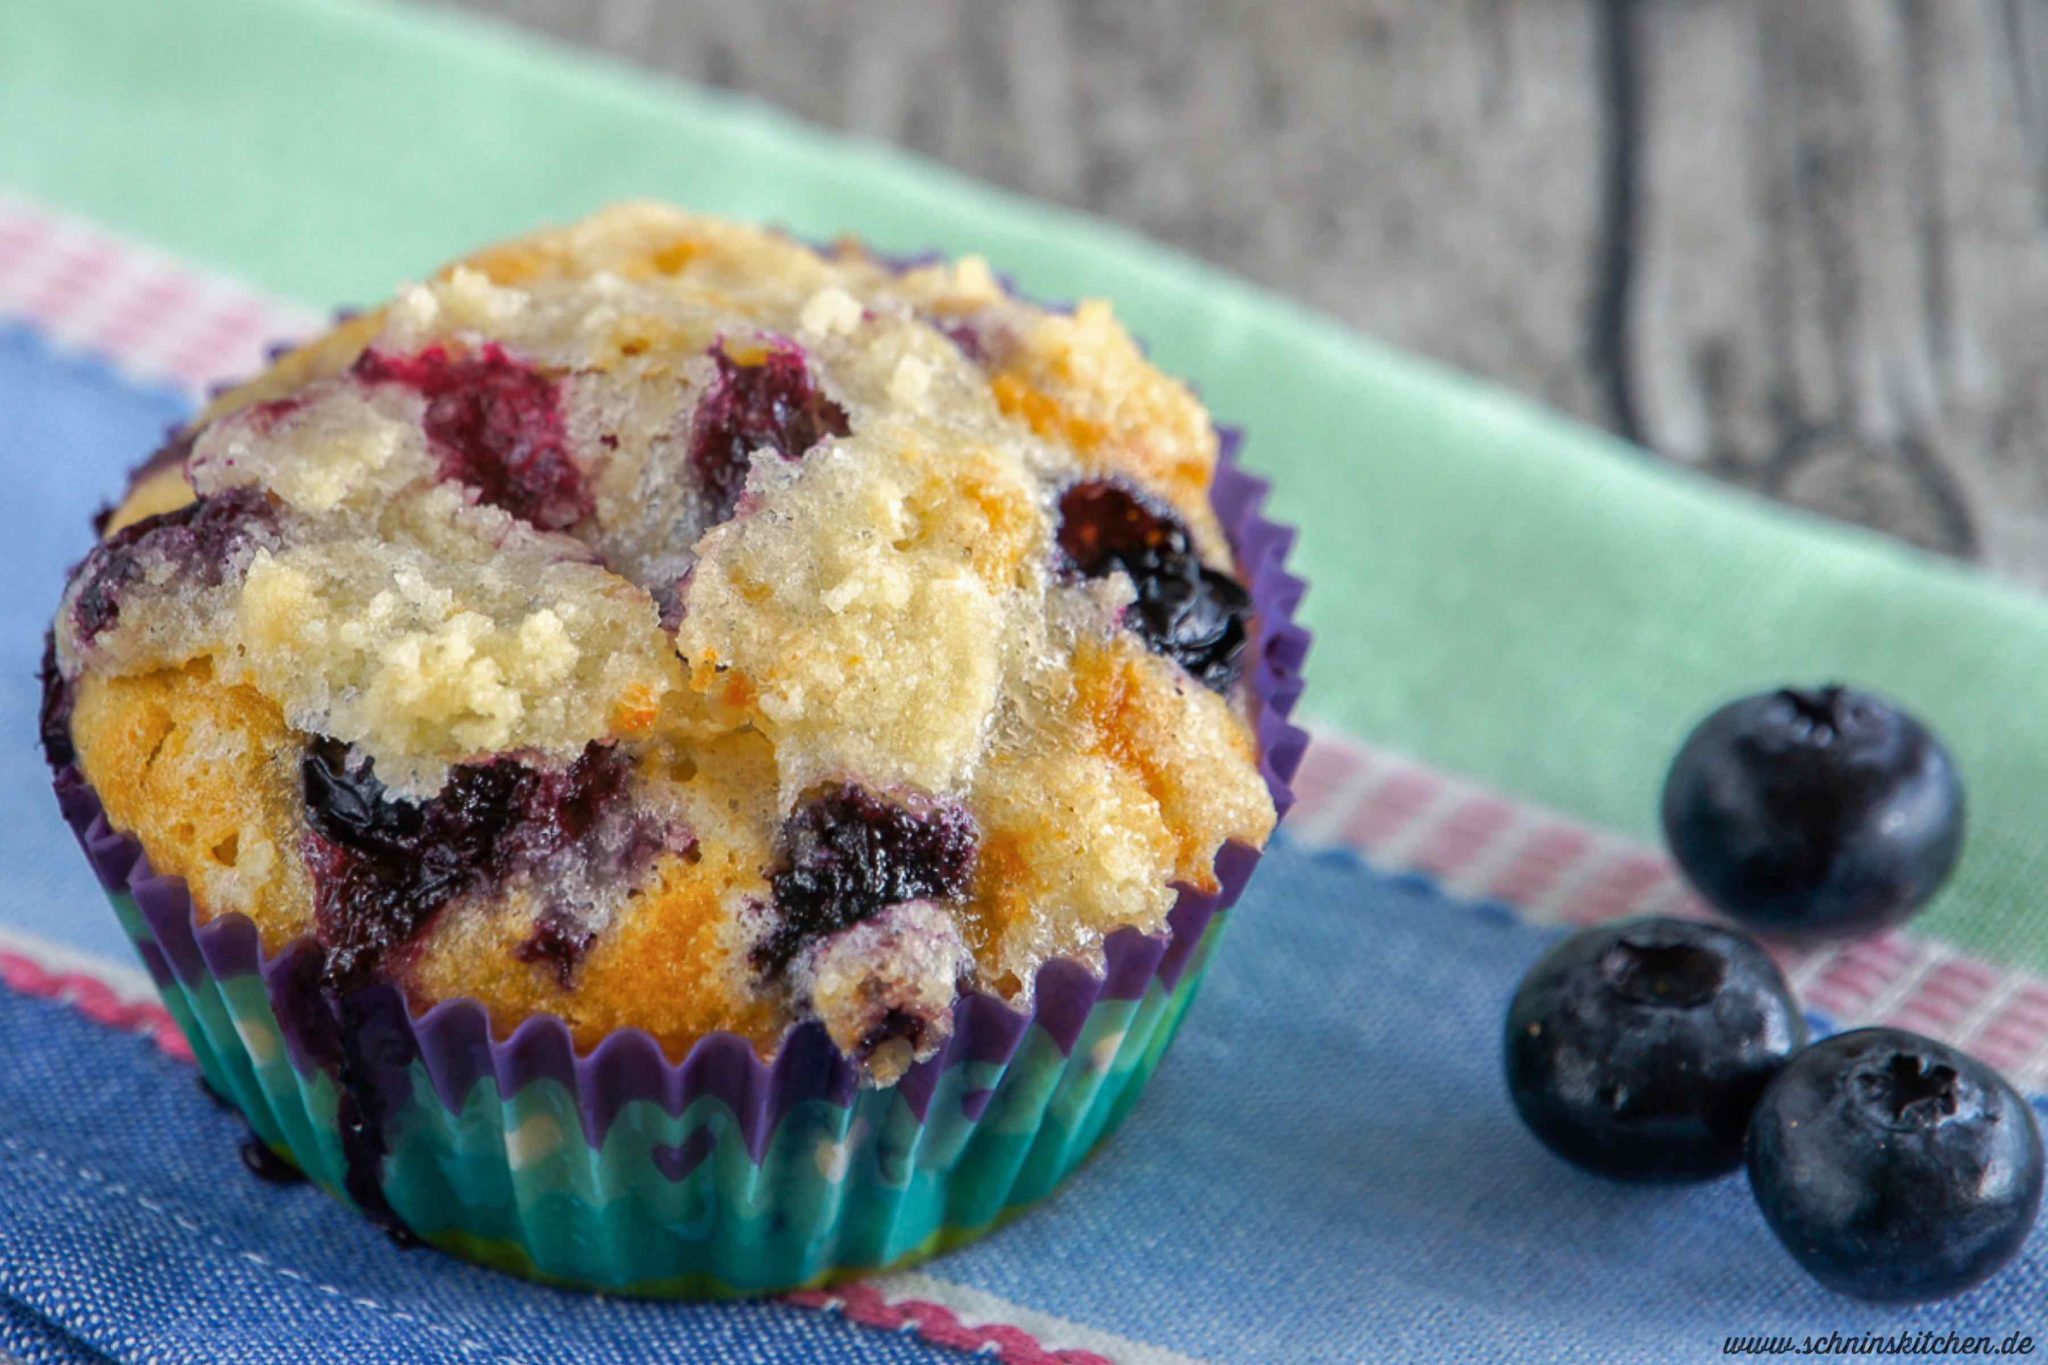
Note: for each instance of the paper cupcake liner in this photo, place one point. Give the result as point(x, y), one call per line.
point(722, 1174)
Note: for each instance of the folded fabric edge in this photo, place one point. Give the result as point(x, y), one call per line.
point(29, 1338)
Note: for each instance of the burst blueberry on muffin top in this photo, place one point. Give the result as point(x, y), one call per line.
point(661, 623)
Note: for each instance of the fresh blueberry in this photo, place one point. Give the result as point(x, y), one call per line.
point(1894, 1168)
point(1637, 1049)
point(1820, 811)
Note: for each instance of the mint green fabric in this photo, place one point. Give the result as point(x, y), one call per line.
point(1497, 590)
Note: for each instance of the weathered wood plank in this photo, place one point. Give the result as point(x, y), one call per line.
point(1841, 274)
point(1801, 246)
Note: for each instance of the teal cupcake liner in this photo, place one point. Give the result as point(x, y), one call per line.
point(724, 1174)
point(679, 1204)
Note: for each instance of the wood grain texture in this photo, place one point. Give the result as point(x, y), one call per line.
point(1802, 246)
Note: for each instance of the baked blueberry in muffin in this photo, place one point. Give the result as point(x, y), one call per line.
point(661, 623)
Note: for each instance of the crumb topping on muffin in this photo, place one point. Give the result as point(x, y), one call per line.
point(662, 623)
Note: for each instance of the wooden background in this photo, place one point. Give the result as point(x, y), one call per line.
point(1801, 244)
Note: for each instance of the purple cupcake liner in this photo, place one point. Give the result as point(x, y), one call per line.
point(453, 1039)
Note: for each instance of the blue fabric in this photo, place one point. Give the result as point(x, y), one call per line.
point(28, 1338)
point(1326, 1167)
point(69, 428)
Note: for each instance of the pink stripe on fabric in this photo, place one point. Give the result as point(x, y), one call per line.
point(148, 313)
point(1550, 854)
point(96, 1000)
point(939, 1325)
point(2027, 1010)
point(1391, 806)
point(1467, 832)
point(1883, 951)
point(1946, 997)
point(226, 337)
point(1853, 980)
point(1326, 769)
point(22, 241)
point(1619, 887)
point(141, 313)
point(83, 274)
point(1957, 983)
point(1922, 1016)
point(2019, 1028)
point(17, 233)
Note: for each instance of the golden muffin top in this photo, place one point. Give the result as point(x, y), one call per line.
point(662, 623)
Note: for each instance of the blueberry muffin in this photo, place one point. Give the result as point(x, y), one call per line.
point(662, 624)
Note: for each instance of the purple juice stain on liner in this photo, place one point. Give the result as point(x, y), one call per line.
point(678, 1161)
point(455, 1044)
point(348, 1031)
